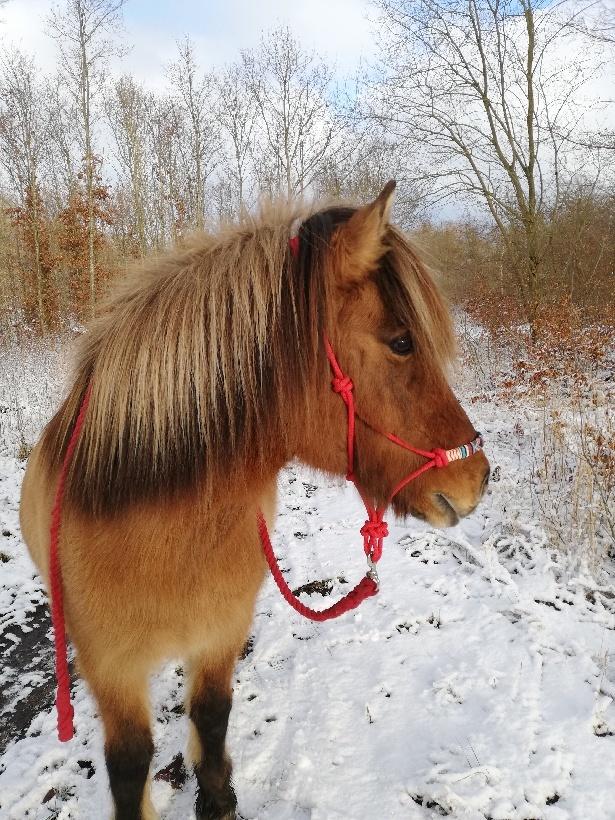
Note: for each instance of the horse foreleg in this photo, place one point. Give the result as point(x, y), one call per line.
point(209, 708)
point(124, 708)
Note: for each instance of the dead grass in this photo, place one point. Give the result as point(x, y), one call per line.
point(567, 375)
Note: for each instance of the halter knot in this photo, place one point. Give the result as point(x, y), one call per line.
point(375, 529)
point(440, 457)
point(342, 384)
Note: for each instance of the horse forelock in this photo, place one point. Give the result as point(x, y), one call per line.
point(410, 294)
point(200, 361)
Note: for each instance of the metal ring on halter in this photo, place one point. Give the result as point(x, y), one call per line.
point(372, 572)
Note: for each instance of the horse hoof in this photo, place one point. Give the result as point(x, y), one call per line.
point(222, 807)
point(230, 815)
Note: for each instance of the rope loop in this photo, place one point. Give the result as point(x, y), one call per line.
point(366, 587)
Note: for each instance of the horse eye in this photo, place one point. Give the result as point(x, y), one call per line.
point(402, 345)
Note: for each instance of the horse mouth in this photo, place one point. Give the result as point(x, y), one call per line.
point(447, 508)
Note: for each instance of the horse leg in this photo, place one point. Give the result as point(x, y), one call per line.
point(124, 709)
point(210, 701)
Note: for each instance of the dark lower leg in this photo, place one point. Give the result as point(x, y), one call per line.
point(210, 707)
point(128, 758)
point(124, 709)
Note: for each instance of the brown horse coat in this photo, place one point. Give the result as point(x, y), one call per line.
point(208, 374)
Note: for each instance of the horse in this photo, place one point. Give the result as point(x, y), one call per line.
point(206, 373)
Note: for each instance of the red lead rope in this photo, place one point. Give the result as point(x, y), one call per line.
point(64, 709)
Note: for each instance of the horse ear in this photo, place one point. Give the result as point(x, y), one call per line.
point(359, 240)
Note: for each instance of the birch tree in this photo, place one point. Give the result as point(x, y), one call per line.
point(236, 114)
point(167, 197)
point(23, 138)
point(85, 32)
point(194, 92)
point(128, 108)
point(296, 121)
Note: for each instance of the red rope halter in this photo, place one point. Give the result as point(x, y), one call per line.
point(375, 528)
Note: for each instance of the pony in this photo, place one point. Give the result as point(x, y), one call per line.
point(207, 373)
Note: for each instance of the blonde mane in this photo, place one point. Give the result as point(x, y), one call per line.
point(197, 358)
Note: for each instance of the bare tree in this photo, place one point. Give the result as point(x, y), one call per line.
point(487, 92)
point(84, 30)
point(296, 122)
point(236, 113)
point(23, 137)
point(195, 96)
point(64, 151)
point(128, 107)
point(167, 205)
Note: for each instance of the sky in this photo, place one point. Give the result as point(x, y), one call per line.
point(339, 29)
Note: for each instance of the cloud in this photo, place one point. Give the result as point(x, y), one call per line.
point(23, 24)
point(338, 29)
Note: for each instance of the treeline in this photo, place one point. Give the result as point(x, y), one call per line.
point(100, 170)
point(577, 249)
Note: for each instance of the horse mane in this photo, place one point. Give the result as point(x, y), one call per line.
point(194, 355)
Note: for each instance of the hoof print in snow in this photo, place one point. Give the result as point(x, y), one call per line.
point(429, 804)
point(323, 587)
point(4, 558)
point(310, 489)
point(174, 774)
point(167, 711)
point(551, 800)
point(87, 767)
point(511, 615)
point(602, 730)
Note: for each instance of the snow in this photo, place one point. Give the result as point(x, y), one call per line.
point(479, 683)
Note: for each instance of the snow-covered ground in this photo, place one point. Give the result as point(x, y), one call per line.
point(479, 684)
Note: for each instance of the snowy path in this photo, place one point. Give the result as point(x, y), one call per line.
point(479, 684)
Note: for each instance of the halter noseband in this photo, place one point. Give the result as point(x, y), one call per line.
point(375, 528)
